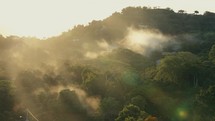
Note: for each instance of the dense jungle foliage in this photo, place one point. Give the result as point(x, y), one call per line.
point(140, 64)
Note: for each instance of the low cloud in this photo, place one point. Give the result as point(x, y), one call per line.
point(91, 55)
point(144, 41)
point(90, 103)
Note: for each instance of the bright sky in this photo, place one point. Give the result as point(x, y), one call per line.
point(45, 18)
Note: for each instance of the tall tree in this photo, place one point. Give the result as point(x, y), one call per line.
point(179, 68)
point(212, 54)
point(6, 101)
point(131, 113)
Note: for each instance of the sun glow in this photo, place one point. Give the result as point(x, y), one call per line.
point(182, 113)
point(45, 18)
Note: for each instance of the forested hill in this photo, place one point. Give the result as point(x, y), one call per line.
point(165, 20)
point(140, 64)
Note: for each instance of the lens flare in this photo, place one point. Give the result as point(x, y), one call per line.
point(182, 113)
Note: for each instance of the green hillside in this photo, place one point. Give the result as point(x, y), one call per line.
point(140, 64)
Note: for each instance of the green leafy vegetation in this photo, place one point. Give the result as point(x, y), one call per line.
point(140, 64)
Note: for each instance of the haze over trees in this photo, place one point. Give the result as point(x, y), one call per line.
point(140, 64)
